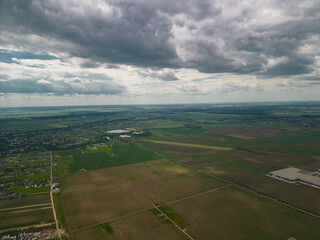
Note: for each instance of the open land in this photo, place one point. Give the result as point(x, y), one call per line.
point(166, 172)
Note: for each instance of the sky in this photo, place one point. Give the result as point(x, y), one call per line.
point(96, 52)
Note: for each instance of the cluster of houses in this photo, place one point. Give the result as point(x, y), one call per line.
point(6, 196)
point(20, 142)
point(11, 168)
point(43, 234)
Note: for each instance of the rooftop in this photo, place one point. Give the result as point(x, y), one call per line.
point(296, 174)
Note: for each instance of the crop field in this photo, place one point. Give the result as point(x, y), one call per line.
point(167, 132)
point(193, 170)
point(142, 226)
point(29, 200)
point(160, 124)
point(232, 214)
point(15, 218)
point(163, 181)
point(192, 145)
point(104, 157)
point(97, 196)
point(248, 131)
point(248, 167)
point(86, 195)
point(292, 139)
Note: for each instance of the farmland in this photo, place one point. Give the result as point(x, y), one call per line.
point(164, 172)
point(159, 180)
point(240, 214)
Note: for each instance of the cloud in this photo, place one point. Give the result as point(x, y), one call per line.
point(160, 75)
point(43, 86)
point(212, 36)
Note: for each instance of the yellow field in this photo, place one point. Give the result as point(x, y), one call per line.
point(192, 145)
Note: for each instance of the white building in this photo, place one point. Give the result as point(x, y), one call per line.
point(294, 175)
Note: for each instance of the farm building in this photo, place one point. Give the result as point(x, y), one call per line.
point(296, 175)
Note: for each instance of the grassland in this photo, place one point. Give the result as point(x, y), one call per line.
point(121, 154)
point(168, 211)
point(106, 226)
point(60, 212)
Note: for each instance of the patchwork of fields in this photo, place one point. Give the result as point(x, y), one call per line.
point(196, 175)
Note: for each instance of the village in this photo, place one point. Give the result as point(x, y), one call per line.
point(48, 233)
point(21, 174)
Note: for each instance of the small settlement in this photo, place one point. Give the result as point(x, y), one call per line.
point(48, 233)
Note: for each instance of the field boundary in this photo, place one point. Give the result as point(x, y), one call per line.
point(195, 195)
point(147, 209)
point(156, 207)
point(26, 227)
point(32, 210)
point(22, 207)
point(236, 185)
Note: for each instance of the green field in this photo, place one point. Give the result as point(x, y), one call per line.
point(123, 154)
point(107, 227)
point(59, 211)
point(29, 200)
point(175, 217)
point(29, 190)
point(16, 218)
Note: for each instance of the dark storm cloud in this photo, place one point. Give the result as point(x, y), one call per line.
point(210, 36)
point(28, 86)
